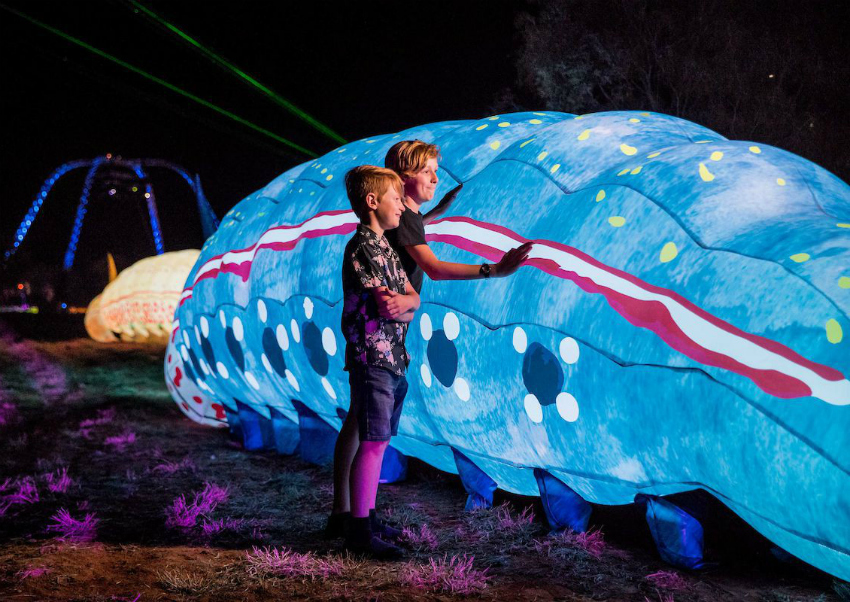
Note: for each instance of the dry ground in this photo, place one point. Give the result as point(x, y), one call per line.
point(102, 413)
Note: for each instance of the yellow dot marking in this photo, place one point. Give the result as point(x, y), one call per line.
point(716, 156)
point(535, 113)
point(535, 121)
point(834, 334)
point(617, 221)
point(504, 124)
point(371, 141)
point(755, 149)
point(261, 214)
point(325, 170)
point(706, 175)
point(542, 156)
point(624, 172)
point(800, 257)
point(330, 177)
point(843, 225)
point(529, 141)
point(312, 192)
point(584, 135)
point(645, 114)
point(495, 145)
point(494, 118)
point(633, 120)
point(628, 150)
point(342, 150)
point(555, 168)
point(668, 252)
point(844, 282)
point(579, 117)
point(702, 141)
point(652, 155)
point(636, 170)
point(780, 181)
point(481, 127)
point(601, 195)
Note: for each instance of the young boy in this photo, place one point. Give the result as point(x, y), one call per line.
point(415, 162)
point(378, 303)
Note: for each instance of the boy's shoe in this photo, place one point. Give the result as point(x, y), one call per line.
point(361, 541)
point(335, 527)
point(383, 530)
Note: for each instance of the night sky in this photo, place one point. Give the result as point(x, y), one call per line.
point(360, 68)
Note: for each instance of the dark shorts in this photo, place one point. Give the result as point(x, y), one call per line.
point(377, 396)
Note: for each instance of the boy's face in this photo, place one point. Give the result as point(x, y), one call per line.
point(389, 208)
point(422, 185)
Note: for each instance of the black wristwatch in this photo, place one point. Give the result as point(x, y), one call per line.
point(484, 270)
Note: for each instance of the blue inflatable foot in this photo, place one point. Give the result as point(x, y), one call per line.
point(233, 424)
point(394, 468)
point(286, 433)
point(478, 485)
point(564, 508)
point(257, 431)
point(678, 535)
point(317, 436)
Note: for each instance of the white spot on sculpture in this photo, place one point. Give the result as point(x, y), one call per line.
point(296, 333)
point(567, 406)
point(252, 380)
point(205, 327)
point(569, 350)
point(184, 354)
point(290, 377)
point(186, 339)
point(266, 363)
point(222, 369)
point(222, 318)
point(520, 340)
point(262, 311)
point(461, 388)
point(282, 337)
point(425, 327)
point(204, 368)
point(308, 307)
point(197, 335)
point(533, 409)
point(329, 341)
point(327, 385)
point(425, 372)
point(451, 326)
point(238, 331)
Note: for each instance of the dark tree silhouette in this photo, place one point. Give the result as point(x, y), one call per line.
point(773, 72)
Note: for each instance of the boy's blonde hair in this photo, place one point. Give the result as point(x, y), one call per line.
point(407, 157)
point(366, 179)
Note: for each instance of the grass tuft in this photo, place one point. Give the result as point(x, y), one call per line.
point(454, 575)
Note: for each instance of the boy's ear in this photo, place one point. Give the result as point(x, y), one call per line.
point(372, 201)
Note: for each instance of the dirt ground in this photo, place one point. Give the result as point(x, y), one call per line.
point(94, 459)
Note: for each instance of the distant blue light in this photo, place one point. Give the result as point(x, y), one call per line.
point(64, 305)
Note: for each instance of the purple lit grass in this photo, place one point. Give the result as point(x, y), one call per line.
point(184, 515)
point(8, 413)
point(211, 528)
point(422, 539)
point(73, 530)
point(667, 580)
point(172, 467)
point(25, 492)
point(58, 481)
point(455, 575)
point(287, 563)
point(103, 417)
point(119, 442)
point(592, 542)
point(32, 572)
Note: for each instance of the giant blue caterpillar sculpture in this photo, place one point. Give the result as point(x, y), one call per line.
point(678, 326)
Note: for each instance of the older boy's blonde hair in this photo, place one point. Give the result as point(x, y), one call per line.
point(407, 157)
point(369, 179)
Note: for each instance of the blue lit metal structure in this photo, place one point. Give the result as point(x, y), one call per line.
point(209, 221)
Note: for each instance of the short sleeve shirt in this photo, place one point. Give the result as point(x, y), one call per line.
point(410, 232)
point(369, 262)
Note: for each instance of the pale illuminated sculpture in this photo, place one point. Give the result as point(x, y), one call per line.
point(679, 325)
point(139, 304)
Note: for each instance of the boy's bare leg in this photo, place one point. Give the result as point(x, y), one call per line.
point(344, 451)
point(365, 475)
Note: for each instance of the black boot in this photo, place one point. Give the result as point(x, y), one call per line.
point(360, 540)
point(335, 528)
point(383, 530)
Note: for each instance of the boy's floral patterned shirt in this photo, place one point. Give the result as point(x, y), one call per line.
point(370, 262)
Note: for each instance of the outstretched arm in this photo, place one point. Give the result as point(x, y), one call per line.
point(446, 270)
point(442, 206)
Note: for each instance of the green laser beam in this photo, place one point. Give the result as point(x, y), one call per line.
point(241, 74)
point(160, 81)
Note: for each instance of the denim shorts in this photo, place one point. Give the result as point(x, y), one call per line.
point(377, 396)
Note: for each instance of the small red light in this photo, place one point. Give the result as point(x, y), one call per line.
point(20, 286)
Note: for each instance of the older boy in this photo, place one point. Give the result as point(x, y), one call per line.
point(378, 302)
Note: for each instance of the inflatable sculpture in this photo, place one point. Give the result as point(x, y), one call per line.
point(679, 325)
point(139, 304)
